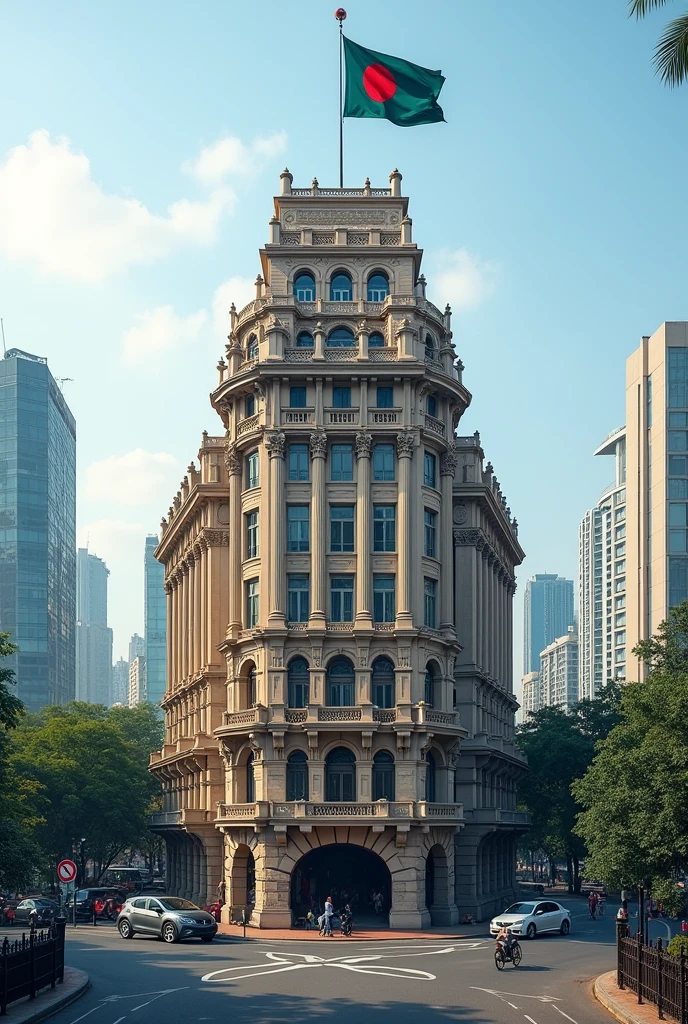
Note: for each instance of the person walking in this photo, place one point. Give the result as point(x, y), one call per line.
point(329, 913)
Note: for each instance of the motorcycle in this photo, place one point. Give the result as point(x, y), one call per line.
point(347, 925)
point(503, 955)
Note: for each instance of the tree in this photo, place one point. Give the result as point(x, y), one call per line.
point(671, 53)
point(11, 708)
point(667, 650)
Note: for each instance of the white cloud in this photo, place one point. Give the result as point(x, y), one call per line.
point(160, 330)
point(237, 290)
point(53, 213)
point(463, 279)
point(135, 478)
point(230, 155)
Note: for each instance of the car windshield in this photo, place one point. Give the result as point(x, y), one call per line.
point(520, 908)
point(173, 903)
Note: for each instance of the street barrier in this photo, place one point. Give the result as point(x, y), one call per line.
point(31, 963)
point(653, 974)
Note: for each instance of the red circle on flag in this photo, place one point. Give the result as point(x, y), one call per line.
point(378, 82)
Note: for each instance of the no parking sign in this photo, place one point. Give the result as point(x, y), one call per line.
point(66, 871)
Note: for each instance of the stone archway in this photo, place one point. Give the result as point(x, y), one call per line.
point(242, 881)
point(437, 895)
point(346, 872)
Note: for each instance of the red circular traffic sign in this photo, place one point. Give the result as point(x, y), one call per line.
point(66, 871)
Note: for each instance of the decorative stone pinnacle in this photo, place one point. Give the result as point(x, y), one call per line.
point(232, 308)
point(191, 468)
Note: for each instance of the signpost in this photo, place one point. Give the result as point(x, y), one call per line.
point(66, 873)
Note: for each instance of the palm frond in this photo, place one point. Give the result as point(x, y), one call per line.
point(640, 8)
point(671, 53)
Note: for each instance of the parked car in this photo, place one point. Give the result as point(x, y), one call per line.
point(45, 909)
point(166, 917)
point(101, 896)
point(533, 918)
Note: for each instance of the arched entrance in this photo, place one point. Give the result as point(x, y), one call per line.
point(437, 896)
point(242, 880)
point(347, 873)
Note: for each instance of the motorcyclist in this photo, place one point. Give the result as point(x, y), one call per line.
point(347, 920)
point(593, 900)
point(504, 935)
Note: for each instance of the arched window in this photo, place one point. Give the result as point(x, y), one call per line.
point(429, 347)
point(252, 694)
point(431, 405)
point(383, 776)
point(340, 776)
point(383, 683)
point(298, 679)
point(376, 340)
point(430, 773)
point(250, 781)
point(341, 288)
point(340, 683)
point(341, 337)
point(429, 694)
point(304, 287)
point(252, 347)
point(378, 288)
point(249, 405)
point(304, 340)
point(297, 776)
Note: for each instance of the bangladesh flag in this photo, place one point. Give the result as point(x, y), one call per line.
point(378, 85)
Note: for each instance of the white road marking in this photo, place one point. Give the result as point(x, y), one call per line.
point(529, 1018)
point(86, 1014)
point(565, 1015)
point(512, 1005)
point(119, 1019)
point(516, 995)
point(141, 995)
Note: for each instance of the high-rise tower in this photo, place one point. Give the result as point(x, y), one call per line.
point(155, 622)
point(547, 614)
point(340, 574)
point(37, 529)
point(93, 635)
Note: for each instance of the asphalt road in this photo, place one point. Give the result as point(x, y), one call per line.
point(143, 981)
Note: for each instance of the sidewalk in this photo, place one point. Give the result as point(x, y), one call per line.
point(49, 1000)
point(622, 1003)
point(367, 934)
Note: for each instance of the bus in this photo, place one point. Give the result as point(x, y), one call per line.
point(127, 878)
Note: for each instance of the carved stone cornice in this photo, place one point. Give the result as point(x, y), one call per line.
point(318, 441)
point(468, 538)
point(275, 443)
point(448, 462)
point(216, 538)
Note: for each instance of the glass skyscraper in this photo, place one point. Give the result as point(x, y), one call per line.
point(548, 613)
point(155, 623)
point(37, 529)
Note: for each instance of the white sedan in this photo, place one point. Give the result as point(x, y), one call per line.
point(532, 918)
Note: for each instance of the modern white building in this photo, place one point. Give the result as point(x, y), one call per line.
point(137, 681)
point(559, 672)
point(532, 696)
point(602, 578)
point(120, 682)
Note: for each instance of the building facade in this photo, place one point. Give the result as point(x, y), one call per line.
point(340, 573)
point(120, 682)
point(657, 484)
point(37, 529)
point(137, 646)
point(137, 681)
point(155, 623)
point(532, 694)
point(93, 635)
point(602, 579)
point(547, 614)
point(559, 672)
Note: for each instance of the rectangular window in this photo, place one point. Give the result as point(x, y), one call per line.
point(677, 489)
point(383, 462)
point(620, 655)
point(678, 513)
point(620, 550)
point(384, 599)
point(385, 528)
point(678, 441)
point(430, 603)
point(298, 598)
point(385, 397)
point(677, 374)
point(298, 528)
point(341, 398)
point(620, 619)
point(619, 637)
point(341, 462)
point(431, 405)
point(620, 567)
point(249, 405)
point(251, 604)
point(252, 535)
point(678, 581)
point(620, 532)
point(619, 602)
point(649, 401)
point(677, 541)
point(252, 475)
point(678, 419)
point(619, 585)
point(429, 469)
point(677, 465)
point(297, 398)
point(430, 533)
point(619, 515)
point(342, 598)
point(298, 462)
point(341, 528)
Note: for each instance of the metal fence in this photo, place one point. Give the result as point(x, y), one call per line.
point(654, 975)
point(31, 963)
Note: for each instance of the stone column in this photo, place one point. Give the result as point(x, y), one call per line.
point(206, 658)
point(485, 626)
point(509, 683)
point(364, 443)
point(171, 634)
point(318, 528)
point(405, 444)
point(275, 443)
point(184, 619)
point(448, 464)
point(198, 623)
point(191, 608)
point(233, 464)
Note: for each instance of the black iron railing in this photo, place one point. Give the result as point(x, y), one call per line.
point(33, 962)
point(653, 974)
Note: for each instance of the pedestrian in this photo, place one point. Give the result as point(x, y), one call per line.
point(378, 901)
point(600, 905)
point(329, 912)
point(221, 892)
point(684, 927)
point(310, 920)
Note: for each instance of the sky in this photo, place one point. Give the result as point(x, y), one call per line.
point(140, 147)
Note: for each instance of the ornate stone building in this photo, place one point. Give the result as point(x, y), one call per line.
point(340, 575)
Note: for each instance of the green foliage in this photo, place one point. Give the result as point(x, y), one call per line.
point(669, 894)
point(11, 708)
point(678, 943)
point(667, 650)
point(671, 52)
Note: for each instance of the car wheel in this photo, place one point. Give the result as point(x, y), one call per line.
point(565, 926)
point(531, 931)
point(207, 938)
point(125, 929)
point(169, 932)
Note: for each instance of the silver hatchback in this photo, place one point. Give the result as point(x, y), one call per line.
point(166, 917)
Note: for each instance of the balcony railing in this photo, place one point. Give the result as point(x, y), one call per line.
point(162, 818)
point(295, 416)
point(424, 713)
point(245, 426)
point(351, 714)
point(341, 417)
point(384, 715)
point(382, 416)
point(498, 816)
point(298, 810)
point(239, 719)
point(434, 425)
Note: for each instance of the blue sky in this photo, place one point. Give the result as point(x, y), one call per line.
point(551, 208)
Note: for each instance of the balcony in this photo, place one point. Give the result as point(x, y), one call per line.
point(434, 425)
point(295, 417)
point(248, 425)
point(498, 816)
point(185, 818)
point(368, 812)
point(350, 714)
point(379, 417)
point(424, 713)
point(163, 819)
point(341, 417)
point(241, 719)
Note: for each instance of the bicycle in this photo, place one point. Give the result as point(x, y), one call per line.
point(503, 956)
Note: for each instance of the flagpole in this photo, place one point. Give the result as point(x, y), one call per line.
point(340, 15)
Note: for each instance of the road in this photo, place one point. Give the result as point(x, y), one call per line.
point(143, 981)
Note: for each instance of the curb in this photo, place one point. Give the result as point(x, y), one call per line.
point(57, 1004)
point(611, 1005)
point(263, 934)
